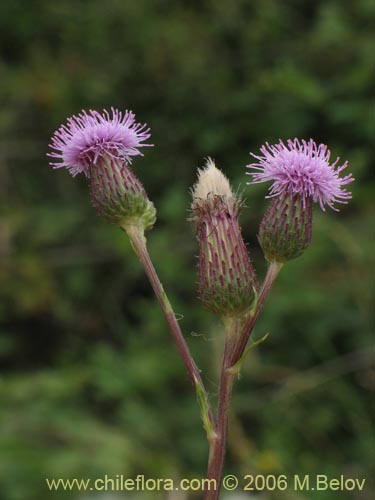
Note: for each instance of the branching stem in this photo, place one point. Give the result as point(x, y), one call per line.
point(237, 336)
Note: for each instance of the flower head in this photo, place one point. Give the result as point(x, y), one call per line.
point(90, 136)
point(101, 146)
point(226, 279)
point(301, 169)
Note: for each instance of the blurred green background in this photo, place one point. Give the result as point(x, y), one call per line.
point(91, 383)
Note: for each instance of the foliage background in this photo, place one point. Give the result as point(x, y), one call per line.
point(90, 381)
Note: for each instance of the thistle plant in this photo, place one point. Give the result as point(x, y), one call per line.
point(103, 146)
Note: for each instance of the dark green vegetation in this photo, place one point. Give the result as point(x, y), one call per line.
point(91, 383)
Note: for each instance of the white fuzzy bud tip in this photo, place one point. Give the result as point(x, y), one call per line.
point(211, 182)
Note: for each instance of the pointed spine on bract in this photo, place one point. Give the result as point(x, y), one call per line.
point(226, 278)
point(286, 229)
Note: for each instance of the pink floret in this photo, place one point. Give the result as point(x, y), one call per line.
point(303, 169)
point(90, 136)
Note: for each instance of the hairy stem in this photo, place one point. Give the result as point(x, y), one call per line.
point(138, 242)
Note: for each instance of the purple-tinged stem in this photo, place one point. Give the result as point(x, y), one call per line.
point(219, 444)
point(272, 273)
point(238, 333)
point(138, 242)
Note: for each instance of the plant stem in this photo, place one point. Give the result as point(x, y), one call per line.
point(272, 273)
point(237, 333)
point(138, 242)
point(235, 345)
point(219, 443)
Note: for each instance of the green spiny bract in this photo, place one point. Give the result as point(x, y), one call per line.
point(286, 229)
point(119, 196)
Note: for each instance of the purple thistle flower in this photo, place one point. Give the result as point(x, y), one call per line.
point(301, 169)
point(101, 146)
point(91, 136)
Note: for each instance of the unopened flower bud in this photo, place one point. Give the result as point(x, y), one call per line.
point(226, 279)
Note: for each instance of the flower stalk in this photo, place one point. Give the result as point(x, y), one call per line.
point(218, 445)
point(138, 242)
point(273, 271)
